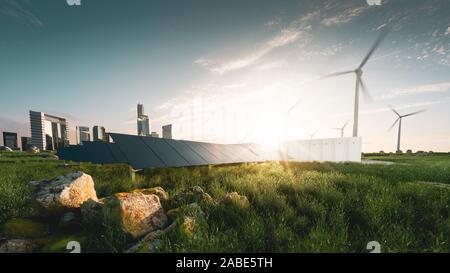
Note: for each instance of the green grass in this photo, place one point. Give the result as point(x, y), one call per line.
point(298, 207)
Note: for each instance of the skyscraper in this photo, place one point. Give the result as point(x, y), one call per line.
point(48, 132)
point(10, 140)
point(167, 131)
point(83, 134)
point(143, 122)
point(99, 133)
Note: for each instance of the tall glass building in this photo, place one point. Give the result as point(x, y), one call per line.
point(143, 122)
point(48, 132)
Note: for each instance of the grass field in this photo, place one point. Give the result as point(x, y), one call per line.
point(296, 207)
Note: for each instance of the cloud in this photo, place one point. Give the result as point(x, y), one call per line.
point(297, 30)
point(21, 11)
point(285, 37)
point(418, 89)
point(344, 16)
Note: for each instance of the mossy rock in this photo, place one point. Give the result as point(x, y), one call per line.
point(192, 195)
point(192, 221)
point(158, 191)
point(173, 214)
point(235, 199)
point(24, 228)
point(58, 243)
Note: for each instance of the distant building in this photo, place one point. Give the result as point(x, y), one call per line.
point(48, 132)
point(10, 140)
point(167, 131)
point(154, 134)
point(83, 134)
point(107, 137)
point(26, 143)
point(99, 133)
point(143, 122)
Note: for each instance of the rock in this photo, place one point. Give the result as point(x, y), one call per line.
point(191, 195)
point(150, 242)
point(67, 191)
point(68, 221)
point(235, 199)
point(18, 246)
point(160, 192)
point(92, 211)
point(136, 213)
point(192, 221)
point(58, 243)
point(24, 228)
point(173, 214)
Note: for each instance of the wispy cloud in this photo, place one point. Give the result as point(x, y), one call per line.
point(285, 37)
point(344, 16)
point(418, 89)
point(297, 30)
point(21, 11)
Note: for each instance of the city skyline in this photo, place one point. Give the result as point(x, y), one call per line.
point(212, 71)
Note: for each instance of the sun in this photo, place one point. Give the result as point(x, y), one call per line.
point(270, 130)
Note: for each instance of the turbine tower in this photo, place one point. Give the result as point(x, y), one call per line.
point(399, 120)
point(342, 129)
point(359, 81)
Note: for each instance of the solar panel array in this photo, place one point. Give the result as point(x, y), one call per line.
point(142, 152)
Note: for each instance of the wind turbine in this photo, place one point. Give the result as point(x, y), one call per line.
point(342, 129)
point(359, 81)
point(399, 120)
point(311, 136)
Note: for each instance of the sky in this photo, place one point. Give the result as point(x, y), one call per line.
point(229, 71)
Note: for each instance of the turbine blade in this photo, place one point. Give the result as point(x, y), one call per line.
point(414, 113)
point(393, 110)
point(390, 128)
point(345, 124)
point(377, 43)
point(293, 106)
point(336, 74)
point(364, 90)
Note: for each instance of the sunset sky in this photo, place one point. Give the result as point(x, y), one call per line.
point(229, 71)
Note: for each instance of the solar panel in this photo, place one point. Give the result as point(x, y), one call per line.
point(209, 157)
point(116, 153)
point(99, 153)
point(191, 156)
point(168, 155)
point(138, 154)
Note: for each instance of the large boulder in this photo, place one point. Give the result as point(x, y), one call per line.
point(67, 191)
point(136, 213)
point(18, 246)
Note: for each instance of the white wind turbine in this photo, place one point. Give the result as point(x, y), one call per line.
point(359, 81)
point(399, 120)
point(342, 129)
point(311, 136)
